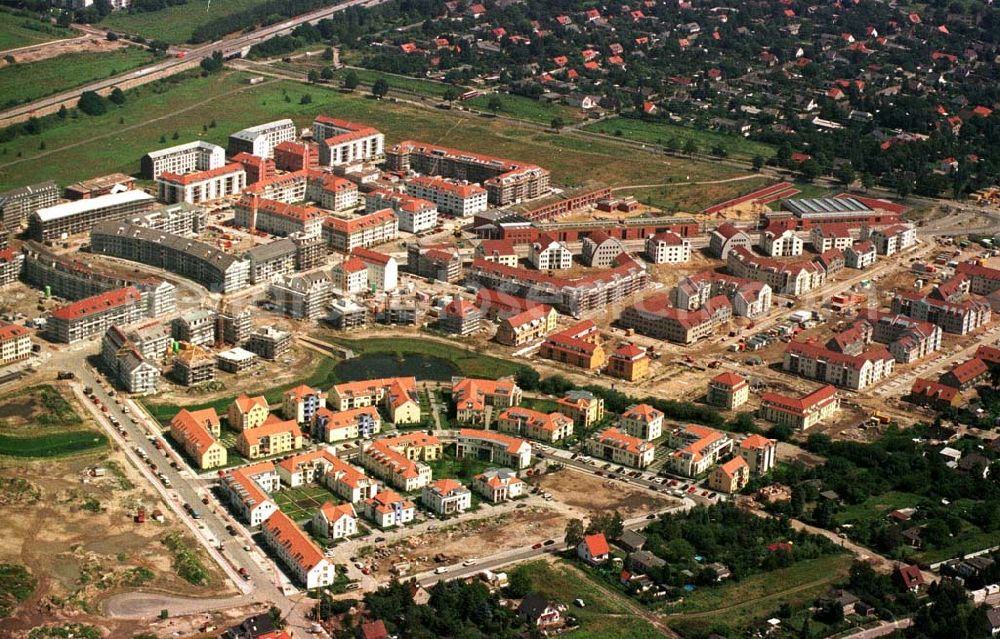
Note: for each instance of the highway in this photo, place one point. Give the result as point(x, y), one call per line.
point(171, 65)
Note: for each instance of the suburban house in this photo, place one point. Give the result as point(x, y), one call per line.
point(246, 413)
point(498, 485)
point(334, 522)
point(446, 497)
point(478, 400)
point(593, 549)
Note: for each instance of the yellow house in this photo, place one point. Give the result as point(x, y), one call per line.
point(400, 402)
point(584, 407)
point(730, 477)
point(273, 437)
point(196, 433)
point(246, 413)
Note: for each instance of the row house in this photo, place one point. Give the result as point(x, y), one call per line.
point(800, 413)
point(274, 437)
point(698, 449)
point(577, 346)
point(494, 447)
point(197, 433)
point(668, 248)
point(855, 372)
point(247, 491)
point(476, 400)
point(389, 509)
point(790, 278)
point(527, 326)
point(619, 447)
point(446, 497)
point(298, 552)
point(533, 424)
point(498, 485)
point(655, 317)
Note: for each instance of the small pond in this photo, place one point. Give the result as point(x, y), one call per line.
point(376, 365)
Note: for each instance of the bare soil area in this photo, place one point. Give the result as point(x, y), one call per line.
point(586, 495)
point(51, 50)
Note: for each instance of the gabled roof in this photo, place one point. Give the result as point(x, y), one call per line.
point(596, 544)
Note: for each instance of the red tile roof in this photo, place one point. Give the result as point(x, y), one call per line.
point(97, 303)
point(597, 545)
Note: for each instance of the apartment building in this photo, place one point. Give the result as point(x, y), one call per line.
point(478, 400)
point(298, 552)
point(415, 214)
point(296, 156)
point(277, 218)
point(94, 315)
point(861, 255)
point(891, 239)
point(599, 249)
point(350, 276)
point(334, 522)
point(725, 238)
point(388, 509)
point(800, 413)
point(533, 424)
point(759, 453)
point(790, 278)
point(655, 317)
point(618, 447)
point(437, 262)
point(460, 317)
point(383, 271)
point(460, 199)
point(855, 372)
point(18, 204)
point(498, 251)
point(825, 237)
point(506, 182)
point(966, 375)
point(396, 394)
point(350, 424)
point(216, 270)
point(958, 314)
point(728, 390)
point(236, 360)
point(179, 219)
point(301, 403)
point(197, 433)
point(983, 280)
point(569, 295)
point(577, 346)
point(777, 242)
point(527, 326)
point(698, 449)
point(247, 413)
point(343, 236)
point(730, 477)
point(272, 260)
point(201, 186)
point(260, 140)
point(642, 421)
point(548, 254)
point(331, 192)
point(15, 343)
point(342, 142)
point(274, 437)
point(668, 248)
point(628, 362)
point(305, 296)
point(494, 447)
point(498, 485)
point(398, 461)
point(749, 298)
point(258, 169)
point(323, 467)
point(585, 408)
point(926, 392)
point(194, 365)
point(56, 222)
point(11, 265)
point(247, 490)
point(126, 364)
point(99, 186)
point(446, 497)
point(195, 327)
point(907, 339)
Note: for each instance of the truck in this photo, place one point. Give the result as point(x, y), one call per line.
point(65, 375)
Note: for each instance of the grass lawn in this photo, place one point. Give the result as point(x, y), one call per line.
point(876, 507)
point(39, 422)
point(190, 103)
point(26, 82)
point(175, 24)
point(54, 445)
point(661, 132)
point(737, 604)
point(541, 405)
point(525, 108)
point(321, 377)
point(614, 628)
point(469, 363)
point(969, 540)
point(302, 502)
point(450, 467)
point(23, 31)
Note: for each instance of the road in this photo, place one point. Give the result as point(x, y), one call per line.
point(171, 65)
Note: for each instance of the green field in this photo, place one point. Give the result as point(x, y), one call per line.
point(54, 445)
point(660, 132)
point(38, 422)
point(21, 83)
point(175, 24)
point(738, 603)
point(23, 31)
point(876, 508)
point(189, 104)
point(303, 502)
point(450, 467)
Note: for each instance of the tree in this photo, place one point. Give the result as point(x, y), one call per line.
point(867, 181)
point(351, 80)
point(758, 162)
point(117, 96)
point(527, 378)
point(810, 170)
point(92, 104)
point(615, 526)
point(63, 112)
point(557, 123)
point(326, 73)
point(574, 531)
point(519, 582)
point(313, 76)
point(328, 54)
point(306, 99)
point(494, 104)
point(163, 139)
point(175, 136)
point(450, 94)
point(111, 36)
point(690, 146)
point(846, 174)
point(381, 88)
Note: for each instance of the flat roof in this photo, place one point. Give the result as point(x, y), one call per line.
point(237, 355)
point(197, 144)
point(826, 205)
point(76, 207)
